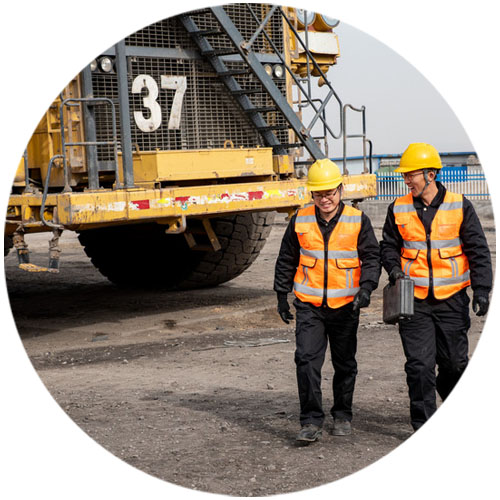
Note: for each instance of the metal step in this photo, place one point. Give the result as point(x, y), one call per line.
point(219, 52)
point(267, 82)
point(265, 109)
point(227, 77)
point(208, 33)
point(274, 127)
point(246, 91)
point(293, 146)
point(234, 72)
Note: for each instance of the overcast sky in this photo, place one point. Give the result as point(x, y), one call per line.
point(401, 104)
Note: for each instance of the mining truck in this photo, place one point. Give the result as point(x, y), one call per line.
point(171, 152)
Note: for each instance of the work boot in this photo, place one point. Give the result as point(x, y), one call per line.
point(309, 433)
point(341, 427)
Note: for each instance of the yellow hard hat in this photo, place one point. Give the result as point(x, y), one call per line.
point(323, 174)
point(418, 156)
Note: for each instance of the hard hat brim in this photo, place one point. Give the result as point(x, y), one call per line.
point(403, 170)
point(323, 186)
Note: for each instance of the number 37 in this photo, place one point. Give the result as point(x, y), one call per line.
point(177, 83)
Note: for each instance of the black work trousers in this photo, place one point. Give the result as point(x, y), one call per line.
point(436, 335)
point(315, 327)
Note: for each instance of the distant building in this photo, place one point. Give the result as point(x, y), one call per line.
point(388, 162)
point(461, 173)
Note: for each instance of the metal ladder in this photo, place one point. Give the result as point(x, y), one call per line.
point(73, 101)
point(242, 47)
point(362, 136)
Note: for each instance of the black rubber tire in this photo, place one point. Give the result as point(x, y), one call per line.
point(142, 255)
point(7, 244)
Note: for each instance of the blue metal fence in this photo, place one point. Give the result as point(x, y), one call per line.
point(469, 181)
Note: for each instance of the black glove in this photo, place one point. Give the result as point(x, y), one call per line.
point(361, 299)
point(395, 274)
point(284, 308)
point(480, 304)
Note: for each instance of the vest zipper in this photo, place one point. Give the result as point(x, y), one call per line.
point(429, 262)
point(325, 283)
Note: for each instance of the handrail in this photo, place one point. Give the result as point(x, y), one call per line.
point(305, 99)
point(250, 42)
point(370, 156)
point(72, 101)
point(361, 136)
point(27, 187)
point(310, 56)
point(45, 193)
point(296, 80)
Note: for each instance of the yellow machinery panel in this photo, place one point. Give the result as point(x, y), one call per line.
point(360, 186)
point(356, 187)
point(157, 166)
point(98, 208)
point(83, 209)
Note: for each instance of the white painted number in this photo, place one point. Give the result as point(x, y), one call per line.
point(177, 83)
point(154, 121)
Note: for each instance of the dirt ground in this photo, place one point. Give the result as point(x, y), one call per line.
point(198, 388)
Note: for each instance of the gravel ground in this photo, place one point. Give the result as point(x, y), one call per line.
point(198, 388)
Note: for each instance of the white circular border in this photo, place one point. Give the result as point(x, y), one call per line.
point(45, 453)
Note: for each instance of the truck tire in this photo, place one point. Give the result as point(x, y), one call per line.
point(143, 255)
point(7, 244)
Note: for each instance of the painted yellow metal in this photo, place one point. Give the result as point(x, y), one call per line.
point(19, 179)
point(359, 186)
point(323, 43)
point(138, 205)
point(157, 166)
point(24, 210)
point(283, 164)
point(46, 141)
point(170, 205)
point(134, 205)
point(356, 187)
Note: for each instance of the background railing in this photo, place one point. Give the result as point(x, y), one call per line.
point(466, 180)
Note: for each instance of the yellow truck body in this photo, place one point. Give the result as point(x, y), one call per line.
point(183, 132)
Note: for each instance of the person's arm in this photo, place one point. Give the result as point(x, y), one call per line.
point(476, 249)
point(369, 254)
point(391, 244)
point(285, 269)
point(287, 261)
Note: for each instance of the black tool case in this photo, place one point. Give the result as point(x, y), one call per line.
point(398, 301)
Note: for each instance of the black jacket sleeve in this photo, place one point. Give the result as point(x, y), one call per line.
point(368, 251)
point(476, 249)
point(288, 260)
point(392, 242)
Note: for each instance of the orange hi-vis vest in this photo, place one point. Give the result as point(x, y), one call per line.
point(448, 267)
point(333, 270)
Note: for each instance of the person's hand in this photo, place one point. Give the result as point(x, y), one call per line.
point(361, 299)
point(395, 275)
point(284, 308)
point(480, 304)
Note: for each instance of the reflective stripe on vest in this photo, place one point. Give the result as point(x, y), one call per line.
point(343, 265)
point(449, 265)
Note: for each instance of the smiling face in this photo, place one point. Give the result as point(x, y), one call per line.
point(415, 181)
point(419, 187)
point(327, 201)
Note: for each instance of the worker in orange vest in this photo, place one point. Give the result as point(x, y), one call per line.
point(329, 256)
point(434, 237)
